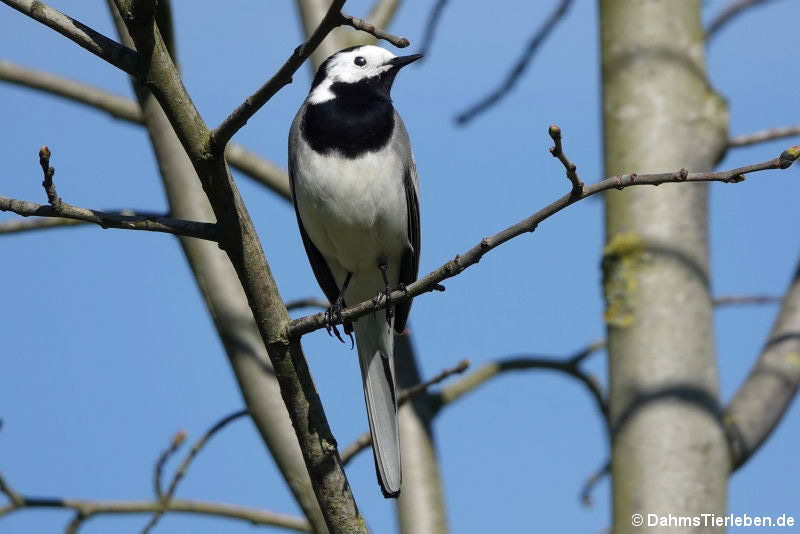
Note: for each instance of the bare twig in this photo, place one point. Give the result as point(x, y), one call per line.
point(431, 281)
point(122, 220)
point(569, 366)
point(558, 152)
point(365, 26)
point(166, 498)
point(47, 182)
point(98, 44)
point(735, 8)
point(333, 18)
point(431, 26)
point(738, 300)
point(519, 68)
point(86, 509)
point(591, 482)
point(174, 444)
point(411, 392)
point(364, 440)
point(762, 136)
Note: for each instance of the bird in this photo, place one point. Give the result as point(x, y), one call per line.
point(355, 192)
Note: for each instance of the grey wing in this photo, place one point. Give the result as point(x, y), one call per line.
point(409, 267)
point(321, 270)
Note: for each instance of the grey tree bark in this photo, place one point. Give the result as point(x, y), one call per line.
point(225, 299)
point(669, 452)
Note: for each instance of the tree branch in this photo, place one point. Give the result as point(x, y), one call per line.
point(240, 242)
point(558, 152)
point(569, 366)
point(760, 402)
point(432, 24)
point(734, 9)
point(762, 136)
point(107, 49)
point(125, 220)
point(431, 281)
point(174, 444)
point(166, 497)
point(739, 300)
point(519, 67)
point(86, 509)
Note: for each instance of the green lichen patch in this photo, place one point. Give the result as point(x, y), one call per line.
point(624, 257)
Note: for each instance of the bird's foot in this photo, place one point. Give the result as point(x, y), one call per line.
point(333, 315)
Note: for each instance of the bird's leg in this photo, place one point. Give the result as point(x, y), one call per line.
point(386, 291)
point(334, 314)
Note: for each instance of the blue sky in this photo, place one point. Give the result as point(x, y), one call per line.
point(108, 349)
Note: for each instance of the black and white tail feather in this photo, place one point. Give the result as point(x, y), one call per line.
point(356, 195)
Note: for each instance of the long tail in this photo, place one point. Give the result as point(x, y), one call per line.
point(375, 340)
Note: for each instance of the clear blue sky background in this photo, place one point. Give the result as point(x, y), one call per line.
point(108, 349)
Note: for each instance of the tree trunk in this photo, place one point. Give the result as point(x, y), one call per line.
point(669, 453)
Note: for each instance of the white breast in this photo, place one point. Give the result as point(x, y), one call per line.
point(354, 210)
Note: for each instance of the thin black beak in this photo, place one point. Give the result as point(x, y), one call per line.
point(402, 61)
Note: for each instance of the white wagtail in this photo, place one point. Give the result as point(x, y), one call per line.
point(356, 195)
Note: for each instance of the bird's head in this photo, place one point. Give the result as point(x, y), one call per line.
point(369, 67)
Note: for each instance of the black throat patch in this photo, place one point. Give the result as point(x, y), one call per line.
point(359, 119)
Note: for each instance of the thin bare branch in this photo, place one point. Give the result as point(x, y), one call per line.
point(98, 44)
point(740, 300)
point(86, 509)
point(366, 26)
point(762, 136)
point(364, 440)
point(591, 482)
point(123, 220)
point(569, 366)
point(431, 281)
point(519, 67)
point(734, 9)
point(174, 444)
point(558, 152)
point(166, 498)
point(431, 26)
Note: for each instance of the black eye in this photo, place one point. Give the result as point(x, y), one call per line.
point(360, 61)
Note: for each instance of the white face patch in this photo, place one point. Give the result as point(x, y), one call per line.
point(350, 67)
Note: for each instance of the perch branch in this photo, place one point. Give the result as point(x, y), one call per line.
point(431, 281)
